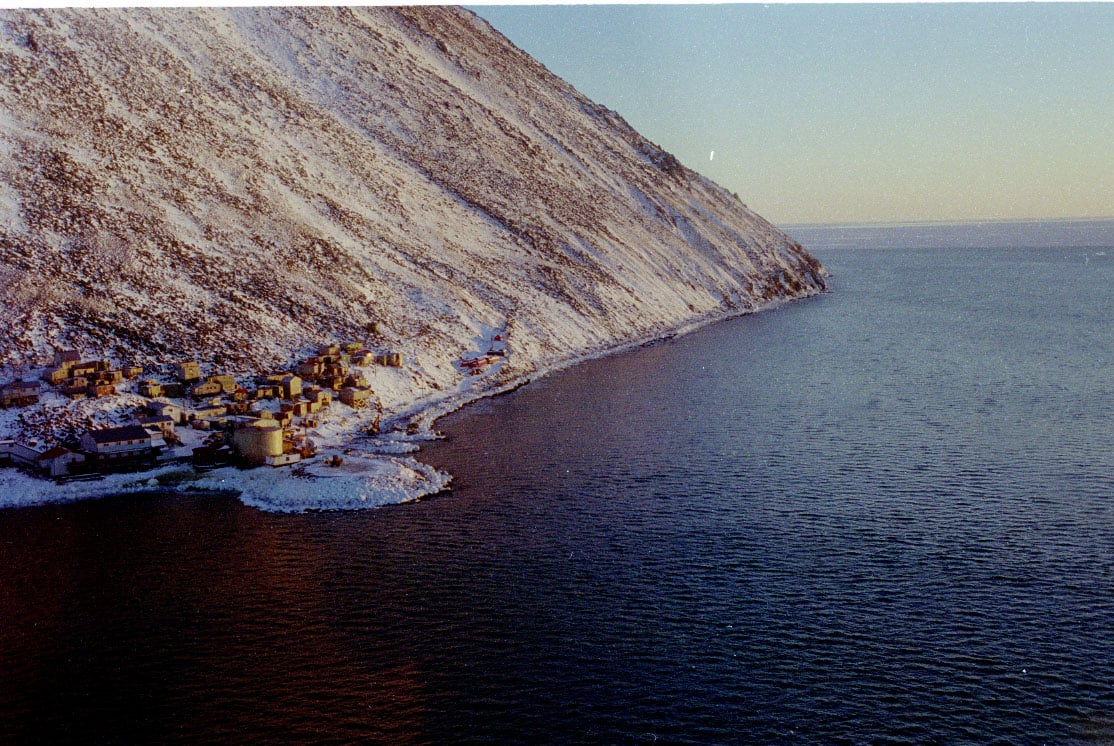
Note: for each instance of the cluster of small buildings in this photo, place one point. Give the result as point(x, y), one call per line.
point(72, 377)
point(245, 430)
point(79, 379)
point(240, 427)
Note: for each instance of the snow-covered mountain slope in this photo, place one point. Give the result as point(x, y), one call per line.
point(243, 185)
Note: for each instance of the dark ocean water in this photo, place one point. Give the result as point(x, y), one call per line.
point(884, 515)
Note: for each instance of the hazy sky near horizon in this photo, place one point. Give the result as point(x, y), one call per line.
point(856, 113)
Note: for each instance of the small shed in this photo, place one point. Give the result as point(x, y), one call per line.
point(291, 387)
point(55, 376)
point(162, 408)
point(163, 423)
point(356, 397)
point(150, 389)
point(310, 369)
point(389, 359)
point(59, 461)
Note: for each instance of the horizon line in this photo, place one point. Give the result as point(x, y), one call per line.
point(942, 221)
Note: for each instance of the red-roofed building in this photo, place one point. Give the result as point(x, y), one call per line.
point(59, 461)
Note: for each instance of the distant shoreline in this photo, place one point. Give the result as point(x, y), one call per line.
point(1005, 234)
point(944, 223)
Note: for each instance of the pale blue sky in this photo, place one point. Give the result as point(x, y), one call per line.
point(852, 113)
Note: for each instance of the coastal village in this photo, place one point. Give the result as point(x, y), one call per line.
point(204, 419)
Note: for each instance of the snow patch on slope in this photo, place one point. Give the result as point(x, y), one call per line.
point(240, 186)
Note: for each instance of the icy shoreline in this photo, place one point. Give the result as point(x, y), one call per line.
point(375, 470)
point(423, 414)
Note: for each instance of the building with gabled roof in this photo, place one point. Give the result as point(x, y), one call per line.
point(19, 393)
point(163, 423)
point(128, 441)
point(161, 408)
point(59, 461)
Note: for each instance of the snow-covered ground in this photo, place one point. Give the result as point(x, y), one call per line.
point(240, 186)
point(360, 482)
point(373, 471)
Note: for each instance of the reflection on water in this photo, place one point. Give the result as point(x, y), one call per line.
point(879, 515)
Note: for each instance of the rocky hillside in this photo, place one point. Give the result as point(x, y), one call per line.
point(241, 185)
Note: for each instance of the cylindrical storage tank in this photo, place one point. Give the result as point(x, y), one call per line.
point(258, 440)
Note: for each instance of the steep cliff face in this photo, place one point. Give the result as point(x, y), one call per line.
point(241, 185)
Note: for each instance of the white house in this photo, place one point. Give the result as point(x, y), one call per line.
point(166, 409)
point(121, 442)
point(58, 460)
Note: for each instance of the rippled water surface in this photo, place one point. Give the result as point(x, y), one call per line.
point(879, 516)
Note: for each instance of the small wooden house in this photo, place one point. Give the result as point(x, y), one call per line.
point(355, 379)
point(227, 383)
point(209, 412)
point(98, 389)
point(238, 407)
point(19, 394)
point(55, 376)
point(163, 423)
point(188, 371)
point(389, 359)
point(205, 388)
point(356, 397)
point(161, 408)
point(150, 389)
point(64, 361)
point(75, 386)
point(291, 387)
point(310, 369)
point(87, 369)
